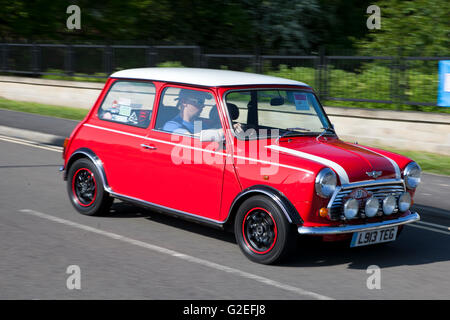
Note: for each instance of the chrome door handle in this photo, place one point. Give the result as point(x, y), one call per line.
point(146, 146)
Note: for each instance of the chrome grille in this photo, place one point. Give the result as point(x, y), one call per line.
point(379, 191)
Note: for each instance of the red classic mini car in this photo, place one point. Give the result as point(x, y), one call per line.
point(253, 153)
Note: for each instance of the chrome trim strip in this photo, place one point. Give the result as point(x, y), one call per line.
point(333, 198)
point(372, 183)
point(413, 217)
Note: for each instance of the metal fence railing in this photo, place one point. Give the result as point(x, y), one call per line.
point(373, 79)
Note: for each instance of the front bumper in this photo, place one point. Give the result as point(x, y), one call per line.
point(319, 231)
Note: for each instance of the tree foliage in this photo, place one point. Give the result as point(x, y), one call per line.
point(410, 28)
point(265, 26)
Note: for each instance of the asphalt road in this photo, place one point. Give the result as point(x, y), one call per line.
point(139, 254)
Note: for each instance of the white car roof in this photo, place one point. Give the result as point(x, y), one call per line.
point(203, 77)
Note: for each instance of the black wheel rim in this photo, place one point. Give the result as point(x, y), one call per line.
point(259, 230)
point(84, 187)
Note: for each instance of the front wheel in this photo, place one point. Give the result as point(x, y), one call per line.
point(85, 189)
point(262, 231)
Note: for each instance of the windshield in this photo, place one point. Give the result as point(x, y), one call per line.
point(274, 113)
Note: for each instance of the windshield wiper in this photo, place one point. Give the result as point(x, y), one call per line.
point(290, 131)
point(327, 129)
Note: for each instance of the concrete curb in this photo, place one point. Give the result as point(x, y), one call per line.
point(39, 137)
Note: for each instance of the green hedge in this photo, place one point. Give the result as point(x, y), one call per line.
point(371, 81)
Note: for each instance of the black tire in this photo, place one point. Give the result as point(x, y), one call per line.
point(85, 189)
point(262, 231)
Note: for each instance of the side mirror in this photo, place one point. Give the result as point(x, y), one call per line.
point(277, 101)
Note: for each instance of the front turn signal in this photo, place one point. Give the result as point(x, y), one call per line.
point(323, 212)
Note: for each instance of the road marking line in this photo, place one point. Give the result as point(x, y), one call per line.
point(30, 143)
point(428, 228)
point(434, 225)
point(179, 255)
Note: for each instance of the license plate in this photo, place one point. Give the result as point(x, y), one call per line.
point(365, 238)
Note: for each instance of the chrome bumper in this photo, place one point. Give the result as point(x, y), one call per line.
point(412, 217)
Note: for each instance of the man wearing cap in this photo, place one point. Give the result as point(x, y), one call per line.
point(191, 104)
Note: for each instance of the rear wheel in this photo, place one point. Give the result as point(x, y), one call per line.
point(85, 189)
point(262, 231)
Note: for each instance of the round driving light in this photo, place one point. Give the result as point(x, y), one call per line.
point(389, 205)
point(412, 175)
point(372, 206)
point(351, 208)
point(404, 202)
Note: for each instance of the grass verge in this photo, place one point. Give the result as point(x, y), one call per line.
point(44, 109)
point(430, 162)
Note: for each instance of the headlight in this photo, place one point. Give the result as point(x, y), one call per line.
point(372, 206)
point(411, 175)
point(404, 202)
point(326, 182)
point(351, 208)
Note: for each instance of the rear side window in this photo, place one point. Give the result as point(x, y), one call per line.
point(129, 102)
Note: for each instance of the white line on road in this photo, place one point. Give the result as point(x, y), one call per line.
point(30, 143)
point(179, 255)
point(434, 225)
point(415, 225)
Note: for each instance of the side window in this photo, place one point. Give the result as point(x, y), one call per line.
point(129, 102)
point(187, 111)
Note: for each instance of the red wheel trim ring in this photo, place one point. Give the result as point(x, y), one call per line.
point(275, 230)
point(73, 187)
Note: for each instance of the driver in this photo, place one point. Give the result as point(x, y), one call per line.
point(191, 104)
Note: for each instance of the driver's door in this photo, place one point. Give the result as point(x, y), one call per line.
point(182, 172)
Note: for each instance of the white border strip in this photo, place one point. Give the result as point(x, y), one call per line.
point(429, 229)
point(434, 225)
point(336, 167)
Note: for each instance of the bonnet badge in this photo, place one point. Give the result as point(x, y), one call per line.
point(374, 174)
